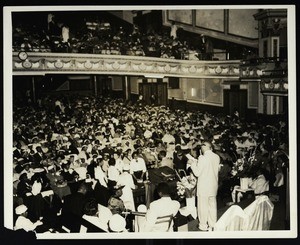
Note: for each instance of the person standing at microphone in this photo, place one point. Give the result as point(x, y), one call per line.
point(206, 169)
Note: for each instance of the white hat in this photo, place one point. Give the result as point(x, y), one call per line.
point(88, 180)
point(217, 136)
point(142, 208)
point(186, 136)
point(21, 209)
point(76, 136)
point(38, 170)
point(184, 147)
point(117, 223)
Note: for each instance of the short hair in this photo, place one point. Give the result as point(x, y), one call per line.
point(163, 188)
point(163, 153)
point(112, 162)
point(134, 153)
point(91, 207)
point(207, 143)
point(23, 176)
point(177, 148)
point(179, 152)
point(83, 187)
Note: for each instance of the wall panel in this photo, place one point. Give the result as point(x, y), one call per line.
point(210, 19)
point(183, 16)
point(242, 23)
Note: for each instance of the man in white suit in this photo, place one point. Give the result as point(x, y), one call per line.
point(206, 169)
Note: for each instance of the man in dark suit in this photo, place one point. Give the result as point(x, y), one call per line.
point(38, 156)
point(73, 208)
point(17, 153)
point(74, 203)
point(101, 194)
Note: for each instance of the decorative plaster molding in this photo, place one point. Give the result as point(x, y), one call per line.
point(271, 73)
point(124, 65)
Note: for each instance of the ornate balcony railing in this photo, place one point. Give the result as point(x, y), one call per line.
point(33, 62)
point(272, 73)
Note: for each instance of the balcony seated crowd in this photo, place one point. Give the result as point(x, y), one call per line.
point(102, 38)
point(82, 157)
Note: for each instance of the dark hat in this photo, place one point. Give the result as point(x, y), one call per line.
point(26, 163)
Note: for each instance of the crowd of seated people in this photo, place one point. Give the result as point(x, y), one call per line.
point(102, 38)
point(82, 157)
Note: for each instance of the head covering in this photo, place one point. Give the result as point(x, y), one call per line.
point(117, 223)
point(118, 187)
point(126, 167)
point(21, 209)
point(142, 208)
point(38, 170)
point(184, 147)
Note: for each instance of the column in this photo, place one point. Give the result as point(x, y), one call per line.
point(95, 85)
point(33, 90)
point(127, 88)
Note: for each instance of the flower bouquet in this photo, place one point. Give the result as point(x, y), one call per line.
point(186, 188)
point(243, 167)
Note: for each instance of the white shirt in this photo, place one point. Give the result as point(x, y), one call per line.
point(65, 34)
point(260, 184)
point(126, 179)
point(82, 171)
point(113, 173)
point(173, 32)
point(36, 188)
point(119, 165)
point(137, 165)
point(100, 175)
point(159, 208)
point(24, 223)
point(206, 169)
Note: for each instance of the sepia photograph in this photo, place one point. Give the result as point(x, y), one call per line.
point(150, 121)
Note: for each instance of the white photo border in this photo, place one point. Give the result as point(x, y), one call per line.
point(8, 122)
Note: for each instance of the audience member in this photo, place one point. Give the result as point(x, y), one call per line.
point(92, 145)
point(164, 206)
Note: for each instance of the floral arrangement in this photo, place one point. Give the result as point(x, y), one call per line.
point(243, 166)
point(239, 168)
point(186, 186)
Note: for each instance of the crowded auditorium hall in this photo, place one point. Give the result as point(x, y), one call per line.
point(133, 121)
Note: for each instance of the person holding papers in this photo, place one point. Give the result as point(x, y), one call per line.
point(206, 169)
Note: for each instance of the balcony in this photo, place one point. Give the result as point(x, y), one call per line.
point(36, 63)
point(272, 73)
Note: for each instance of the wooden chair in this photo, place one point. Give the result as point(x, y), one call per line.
point(167, 220)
